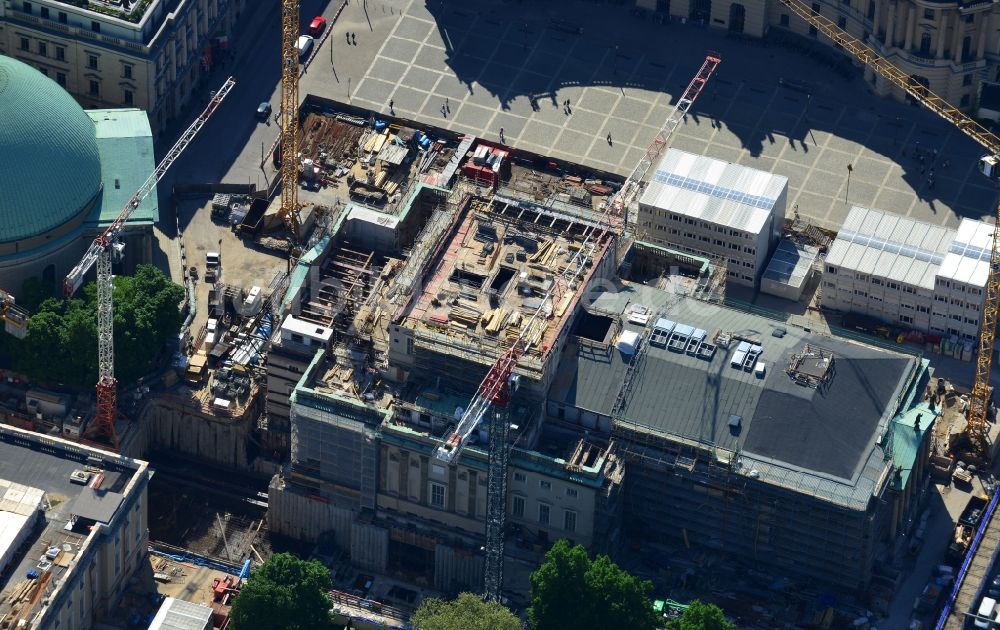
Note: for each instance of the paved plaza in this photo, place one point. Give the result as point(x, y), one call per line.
point(508, 67)
point(513, 69)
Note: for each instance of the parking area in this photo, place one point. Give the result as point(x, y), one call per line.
point(470, 68)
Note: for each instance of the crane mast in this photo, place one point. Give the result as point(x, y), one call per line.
point(288, 117)
point(100, 253)
point(496, 389)
point(989, 165)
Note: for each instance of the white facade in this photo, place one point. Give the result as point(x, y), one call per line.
point(904, 272)
point(711, 207)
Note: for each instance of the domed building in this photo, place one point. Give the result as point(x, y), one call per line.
point(65, 174)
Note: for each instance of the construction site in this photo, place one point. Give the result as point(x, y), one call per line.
point(422, 356)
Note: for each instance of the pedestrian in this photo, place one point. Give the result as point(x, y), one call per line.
point(348, 36)
point(447, 104)
point(502, 141)
point(354, 39)
point(609, 139)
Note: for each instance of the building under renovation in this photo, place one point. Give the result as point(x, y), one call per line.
point(646, 414)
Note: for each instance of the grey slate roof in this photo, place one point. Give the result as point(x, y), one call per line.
point(828, 433)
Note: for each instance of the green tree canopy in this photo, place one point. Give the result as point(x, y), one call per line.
point(466, 612)
point(285, 593)
point(570, 590)
point(701, 616)
point(60, 344)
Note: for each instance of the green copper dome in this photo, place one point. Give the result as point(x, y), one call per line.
point(50, 170)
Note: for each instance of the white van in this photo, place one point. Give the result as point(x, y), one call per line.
point(305, 46)
point(985, 612)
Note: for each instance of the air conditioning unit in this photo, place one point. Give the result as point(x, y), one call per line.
point(81, 477)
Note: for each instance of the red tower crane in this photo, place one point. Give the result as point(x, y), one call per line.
point(500, 382)
point(106, 245)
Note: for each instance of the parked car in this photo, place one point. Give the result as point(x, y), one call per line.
point(264, 111)
point(317, 26)
point(304, 45)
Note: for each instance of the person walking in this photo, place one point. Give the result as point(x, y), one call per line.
point(501, 136)
point(610, 144)
point(354, 39)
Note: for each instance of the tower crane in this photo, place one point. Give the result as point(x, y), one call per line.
point(989, 165)
point(109, 243)
point(500, 382)
point(288, 116)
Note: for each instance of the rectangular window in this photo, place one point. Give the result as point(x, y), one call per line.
point(544, 485)
point(569, 521)
point(871, 9)
point(519, 477)
point(543, 514)
point(43, 49)
point(60, 53)
point(127, 71)
point(61, 78)
point(92, 62)
point(95, 26)
point(517, 506)
point(906, 319)
point(437, 495)
point(95, 88)
point(571, 492)
point(63, 18)
point(25, 44)
point(127, 97)
point(813, 32)
point(842, 22)
point(45, 12)
point(26, 6)
point(928, 14)
point(783, 20)
point(831, 270)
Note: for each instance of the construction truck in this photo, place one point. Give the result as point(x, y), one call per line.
point(968, 522)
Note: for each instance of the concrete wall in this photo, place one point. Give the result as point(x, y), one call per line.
point(219, 440)
point(292, 513)
point(457, 570)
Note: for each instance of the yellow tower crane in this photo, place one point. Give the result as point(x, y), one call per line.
point(288, 117)
point(989, 165)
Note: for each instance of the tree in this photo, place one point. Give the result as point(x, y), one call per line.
point(701, 616)
point(147, 314)
point(466, 612)
point(285, 593)
point(571, 590)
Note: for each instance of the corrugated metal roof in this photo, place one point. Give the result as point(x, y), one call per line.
point(898, 248)
point(968, 257)
point(713, 190)
point(790, 263)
